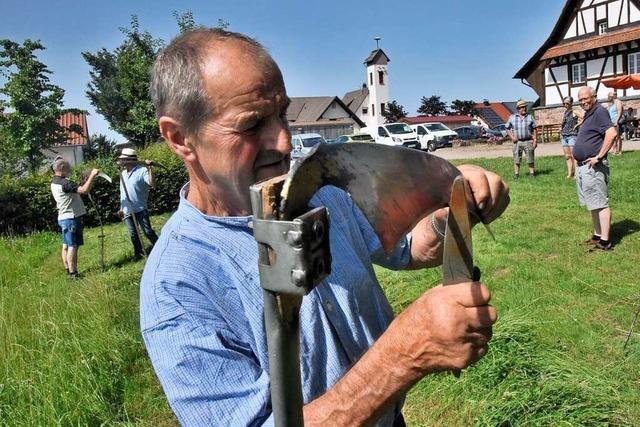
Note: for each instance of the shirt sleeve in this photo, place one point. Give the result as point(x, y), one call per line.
point(532, 125)
point(145, 175)
point(69, 187)
point(602, 121)
point(208, 377)
point(509, 124)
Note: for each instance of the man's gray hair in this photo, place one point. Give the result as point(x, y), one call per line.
point(177, 86)
point(61, 164)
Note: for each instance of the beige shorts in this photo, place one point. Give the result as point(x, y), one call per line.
point(519, 147)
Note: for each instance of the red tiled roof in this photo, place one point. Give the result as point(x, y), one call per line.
point(70, 119)
point(497, 107)
point(416, 120)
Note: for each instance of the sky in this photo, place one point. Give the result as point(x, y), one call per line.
point(454, 49)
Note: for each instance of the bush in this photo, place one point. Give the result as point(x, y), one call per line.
point(26, 205)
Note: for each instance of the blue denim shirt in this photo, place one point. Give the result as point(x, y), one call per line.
point(137, 182)
point(201, 313)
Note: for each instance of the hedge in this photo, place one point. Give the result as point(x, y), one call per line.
point(26, 204)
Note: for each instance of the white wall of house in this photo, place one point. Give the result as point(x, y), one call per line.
point(334, 111)
point(591, 13)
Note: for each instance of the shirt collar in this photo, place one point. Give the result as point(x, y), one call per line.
point(193, 213)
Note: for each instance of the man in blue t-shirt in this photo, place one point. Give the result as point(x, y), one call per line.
point(595, 138)
point(138, 179)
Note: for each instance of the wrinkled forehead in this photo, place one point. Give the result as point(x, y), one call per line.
point(236, 64)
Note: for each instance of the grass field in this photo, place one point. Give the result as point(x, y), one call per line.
point(71, 353)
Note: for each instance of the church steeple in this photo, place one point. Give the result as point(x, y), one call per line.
point(378, 85)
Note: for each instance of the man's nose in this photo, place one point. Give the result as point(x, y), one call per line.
point(279, 136)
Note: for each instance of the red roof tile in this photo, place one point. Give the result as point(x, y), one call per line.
point(69, 119)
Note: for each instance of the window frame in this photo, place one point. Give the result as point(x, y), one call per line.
point(583, 70)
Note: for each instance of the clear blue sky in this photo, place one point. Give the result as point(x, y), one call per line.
point(454, 49)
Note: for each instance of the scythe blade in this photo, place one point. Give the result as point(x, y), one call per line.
point(394, 187)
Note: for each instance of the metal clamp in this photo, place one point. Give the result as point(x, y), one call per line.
point(299, 253)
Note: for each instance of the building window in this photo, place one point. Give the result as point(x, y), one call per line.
point(579, 73)
point(370, 79)
point(373, 110)
point(602, 27)
point(365, 110)
point(382, 108)
point(633, 62)
point(381, 77)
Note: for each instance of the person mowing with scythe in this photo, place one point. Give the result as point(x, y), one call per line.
point(221, 105)
point(135, 181)
point(71, 211)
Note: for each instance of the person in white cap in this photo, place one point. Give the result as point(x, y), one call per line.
point(138, 179)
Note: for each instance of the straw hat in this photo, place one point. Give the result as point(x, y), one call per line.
point(128, 154)
point(521, 103)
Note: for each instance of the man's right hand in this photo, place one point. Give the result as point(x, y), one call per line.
point(95, 172)
point(447, 328)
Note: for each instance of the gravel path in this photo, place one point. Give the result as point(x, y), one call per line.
point(479, 151)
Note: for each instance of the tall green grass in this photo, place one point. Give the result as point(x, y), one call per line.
point(71, 352)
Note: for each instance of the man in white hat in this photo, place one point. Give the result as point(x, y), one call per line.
point(133, 199)
point(521, 129)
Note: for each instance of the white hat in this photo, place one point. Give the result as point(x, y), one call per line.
point(128, 154)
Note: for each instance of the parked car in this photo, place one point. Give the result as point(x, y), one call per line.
point(396, 134)
point(356, 137)
point(304, 142)
point(502, 128)
point(493, 132)
point(469, 132)
point(434, 135)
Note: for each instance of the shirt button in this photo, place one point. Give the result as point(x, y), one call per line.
point(328, 306)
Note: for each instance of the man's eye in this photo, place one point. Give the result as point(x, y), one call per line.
point(253, 126)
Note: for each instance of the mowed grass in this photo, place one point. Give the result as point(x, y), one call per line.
point(71, 352)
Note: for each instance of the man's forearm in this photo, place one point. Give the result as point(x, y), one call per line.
point(370, 388)
point(609, 138)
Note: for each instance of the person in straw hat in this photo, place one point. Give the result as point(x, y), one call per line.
point(135, 181)
point(521, 129)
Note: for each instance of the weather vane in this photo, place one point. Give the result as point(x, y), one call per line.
point(377, 39)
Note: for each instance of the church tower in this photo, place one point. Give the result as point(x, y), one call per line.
point(378, 85)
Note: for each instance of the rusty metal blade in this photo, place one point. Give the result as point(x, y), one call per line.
point(457, 258)
point(393, 186)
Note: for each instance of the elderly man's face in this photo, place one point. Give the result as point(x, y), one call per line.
point(248, 139)
point(587, 99)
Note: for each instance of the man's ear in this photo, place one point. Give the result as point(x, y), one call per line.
point(177, 139)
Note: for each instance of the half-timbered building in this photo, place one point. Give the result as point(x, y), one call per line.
point(592, 40)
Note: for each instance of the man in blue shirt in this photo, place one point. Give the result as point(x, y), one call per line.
point(138, 180)
point(595, 138)
point(221, 106)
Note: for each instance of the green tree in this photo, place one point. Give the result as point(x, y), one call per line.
point(464, 108)
point(432, 106)
point(393, 112)
point(99, 146)
point(31, 108)
point(119, 84)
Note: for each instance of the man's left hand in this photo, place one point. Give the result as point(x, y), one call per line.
point(487, 198)
point(534, 144)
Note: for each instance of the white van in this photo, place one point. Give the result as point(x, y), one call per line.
point(397, 134)
point(304, 142)
point(434, 135)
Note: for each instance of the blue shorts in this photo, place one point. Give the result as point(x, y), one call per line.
point(568, 141)
point(72, 231)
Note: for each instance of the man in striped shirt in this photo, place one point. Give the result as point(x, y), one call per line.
point(221, 106)
point(521, 129)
